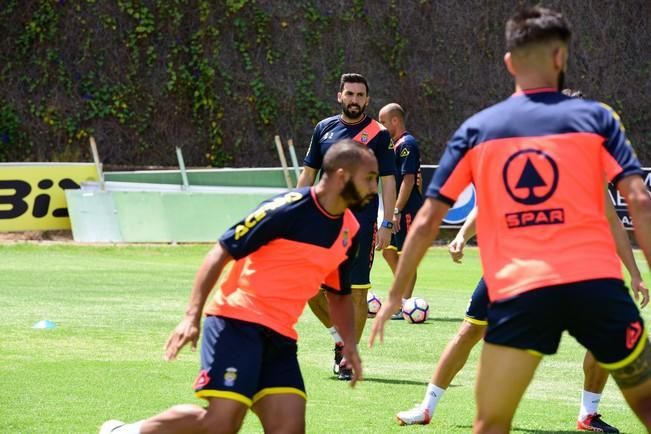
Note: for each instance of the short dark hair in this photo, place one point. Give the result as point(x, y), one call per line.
point(345, 154)
point(535, 25)
point(351, 77)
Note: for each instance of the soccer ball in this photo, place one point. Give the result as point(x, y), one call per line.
point(415, 310)
point(374, 304)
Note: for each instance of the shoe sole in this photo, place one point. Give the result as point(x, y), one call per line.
point(586, 428)
point(403, 423)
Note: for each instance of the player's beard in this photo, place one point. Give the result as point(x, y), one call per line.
point(561, 80)
point(352, 115)
point(353, 198)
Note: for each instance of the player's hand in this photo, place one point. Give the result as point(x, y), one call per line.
point(354, 362)
point(383, 238)
point(419, 181)
point(396, 223)
point(377, 331)
point(455, 248)
point(186, 331)
point(640, 290)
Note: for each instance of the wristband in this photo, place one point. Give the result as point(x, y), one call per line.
point(387, 224)
point(396, 211)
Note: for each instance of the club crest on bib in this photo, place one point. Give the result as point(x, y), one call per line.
point(230, 376)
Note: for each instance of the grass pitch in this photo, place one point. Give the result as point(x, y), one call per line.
point(115, 306)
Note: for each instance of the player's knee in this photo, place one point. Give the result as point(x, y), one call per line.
point(470, 334)
point(202, 420)
point(485, 425)
point(389, 255)
point(215, 424)
point(215, 420)
point(295, 425)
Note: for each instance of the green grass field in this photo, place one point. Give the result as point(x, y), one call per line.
point(115, 306)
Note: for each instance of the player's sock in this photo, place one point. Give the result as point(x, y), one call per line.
point(335, 335)
point(589, 404)
point(432, 397)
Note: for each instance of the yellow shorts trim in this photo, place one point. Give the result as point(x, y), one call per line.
point(278, 391)
point(474, 321)
point(628, 359)
point(390, 248)
point(363, 286)
point(535, 353)
point(233, 396)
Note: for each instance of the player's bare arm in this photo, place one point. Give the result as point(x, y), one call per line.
point(389, 203)
point(466, 232)
point(636, 194)
point(307, 177)
point(420, 237)
point(188, 329)
point(342, 316)
point(408, 183)
point(625, 252)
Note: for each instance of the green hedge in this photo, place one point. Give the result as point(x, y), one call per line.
point(221, 78)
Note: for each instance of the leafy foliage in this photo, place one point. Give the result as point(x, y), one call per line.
point(221, 79)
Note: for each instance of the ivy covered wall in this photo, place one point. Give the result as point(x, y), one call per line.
point(221, 78)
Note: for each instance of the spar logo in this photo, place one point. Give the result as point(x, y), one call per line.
point(530, 177)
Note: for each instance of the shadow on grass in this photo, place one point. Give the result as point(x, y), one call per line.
point(430, 319)
point(397, 382)
point(516, 429)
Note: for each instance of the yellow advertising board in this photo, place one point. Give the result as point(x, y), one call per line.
point(32, 197)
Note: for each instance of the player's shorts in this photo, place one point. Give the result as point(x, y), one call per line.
point(477, 311)
point(244, 362)
point(360, 267)
point(398, 239)
point(599, 313)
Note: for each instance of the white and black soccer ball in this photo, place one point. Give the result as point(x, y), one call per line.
point(374, 304)
point(415, 310)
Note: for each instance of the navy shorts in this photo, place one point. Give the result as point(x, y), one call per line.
point(477, 311)
point(599, 313)
point(245, 362)
point(398, 239)
point(360, 267)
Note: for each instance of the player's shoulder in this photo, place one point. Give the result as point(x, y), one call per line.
point(596, 113)
point(410, 141)
point(284, 202)
point(328, 122)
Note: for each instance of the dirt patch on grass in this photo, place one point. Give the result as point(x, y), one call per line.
point(62, 235)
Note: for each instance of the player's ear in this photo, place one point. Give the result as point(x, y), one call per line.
point(508, 61)
point(339, 97)
point(341, 175)
point(560, 57)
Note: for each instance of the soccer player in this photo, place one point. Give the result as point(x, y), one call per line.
point(456, 352)
point(353, 124)
point(248, 351)
point(407, 154)
point(538, 161)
